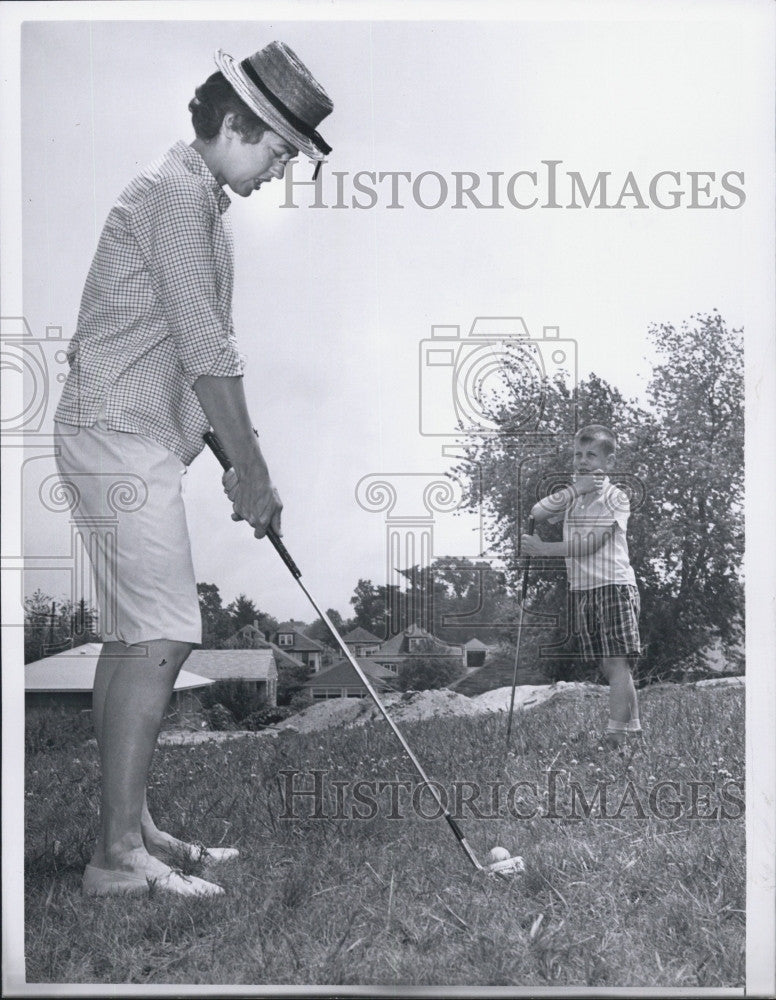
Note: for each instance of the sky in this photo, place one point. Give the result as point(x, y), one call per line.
point(332, 305)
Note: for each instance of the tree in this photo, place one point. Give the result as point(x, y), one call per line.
point(681, 460)
point(425, 672)
point(372, 607)
point(216, 621)
point(319, 630)
point(291, 677)
point(469, 598)
point(51, 626)
point(243, 611)
point(697, 390)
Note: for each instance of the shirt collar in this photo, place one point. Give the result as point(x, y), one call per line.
point(194, 163)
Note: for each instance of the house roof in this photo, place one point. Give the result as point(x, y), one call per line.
point(398, 644)
point(302, 643)
point(250, 633)
point(234, 664)
point(291, 626)
point(360, 635)
point(342, 674)
point(475, 643)
point(73, 670)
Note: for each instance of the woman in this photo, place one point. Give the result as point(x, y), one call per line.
point(153, 365)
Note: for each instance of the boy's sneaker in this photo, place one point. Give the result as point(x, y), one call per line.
point(615, 740)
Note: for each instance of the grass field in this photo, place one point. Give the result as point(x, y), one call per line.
point(619, 897)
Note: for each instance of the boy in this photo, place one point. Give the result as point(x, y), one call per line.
point(604, 602)
point(154, 364)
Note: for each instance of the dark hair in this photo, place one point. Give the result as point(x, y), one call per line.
point(215, 99)
point(597, 432)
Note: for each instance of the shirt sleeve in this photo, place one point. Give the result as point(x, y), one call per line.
point(618, 505)
point(174, 227)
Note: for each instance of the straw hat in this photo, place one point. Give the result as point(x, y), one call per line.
point(279, 88)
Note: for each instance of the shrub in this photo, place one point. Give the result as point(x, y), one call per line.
point(421, 673)
point(267, 717)
point(219, 718)
point(239, 698)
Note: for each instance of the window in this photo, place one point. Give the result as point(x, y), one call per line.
point(285, 639)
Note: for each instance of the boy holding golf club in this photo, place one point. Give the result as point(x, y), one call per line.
point(153, 365)
point(603, 596)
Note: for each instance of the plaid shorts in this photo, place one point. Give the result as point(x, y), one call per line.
point(605, 621)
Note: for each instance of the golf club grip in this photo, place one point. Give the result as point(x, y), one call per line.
point(217, 448)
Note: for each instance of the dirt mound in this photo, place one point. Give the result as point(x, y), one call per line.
point(416, 705)
point(530, 695)
point(408, 707)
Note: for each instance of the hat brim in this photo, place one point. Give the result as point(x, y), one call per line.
point(256, 101)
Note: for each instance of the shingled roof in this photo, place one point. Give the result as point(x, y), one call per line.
point(302, 643)
point(342, 674)
point(360, 635)
point(398, 645)
point(251, 637)
point(234, 664)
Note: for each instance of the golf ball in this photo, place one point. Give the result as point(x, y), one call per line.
point(497, 854)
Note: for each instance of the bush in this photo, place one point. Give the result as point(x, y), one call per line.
point(422, 673)
point(219, 718)
point(267, 717)
point(239, 698)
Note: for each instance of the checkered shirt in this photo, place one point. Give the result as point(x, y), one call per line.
point(156, 310)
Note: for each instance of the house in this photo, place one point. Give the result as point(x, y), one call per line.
point(252, 666)
point(342, 681)
point(360, 642)
point(475, 651)
point(67, 678)
point(414, 641)
point(290, 639)
point(251, 637)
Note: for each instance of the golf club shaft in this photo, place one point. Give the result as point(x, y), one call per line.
point(523, 592)
point(216, 447)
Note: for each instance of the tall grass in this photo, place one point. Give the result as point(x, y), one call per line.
point(604, 901)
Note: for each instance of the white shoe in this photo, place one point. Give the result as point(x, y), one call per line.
point(195, 852)
point(101, 882)
point(217, 855)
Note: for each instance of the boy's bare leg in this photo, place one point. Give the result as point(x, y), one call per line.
point(131, 693)
point(623, 701)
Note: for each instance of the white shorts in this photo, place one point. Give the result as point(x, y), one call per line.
point(125, 495)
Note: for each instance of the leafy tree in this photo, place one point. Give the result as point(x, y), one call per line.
point(697, 390)
point(290, 680)
point(51, 626)
point(216, 620)
point(424, 672)
point(372, 606)
point(681, 460)
point(243, 611)
point(468, 598)
point(319, 630)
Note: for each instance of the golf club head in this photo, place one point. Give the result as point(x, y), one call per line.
point(509, 866)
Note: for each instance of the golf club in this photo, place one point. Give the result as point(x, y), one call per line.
point(506, 867)
point(523, 591)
